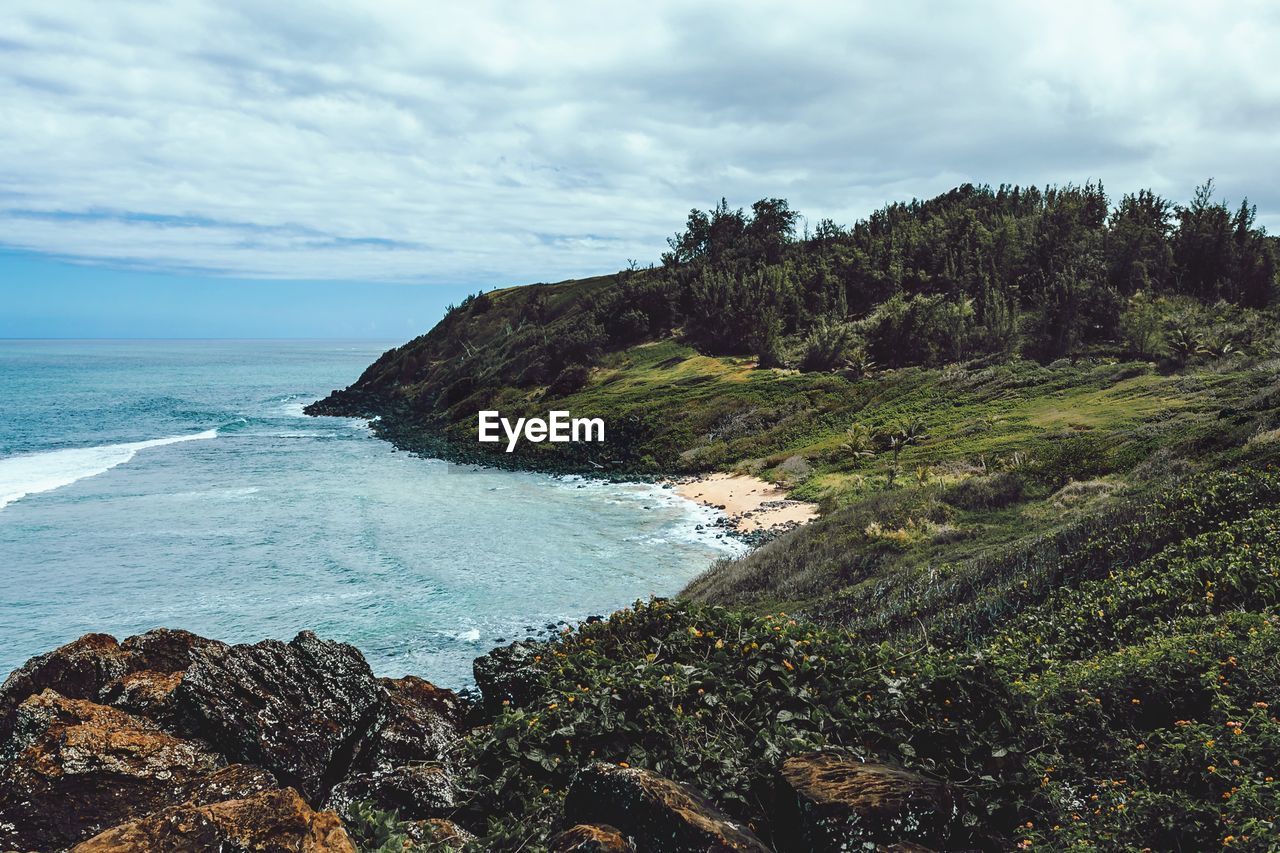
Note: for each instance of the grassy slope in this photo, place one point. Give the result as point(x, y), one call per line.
point(1034, 609)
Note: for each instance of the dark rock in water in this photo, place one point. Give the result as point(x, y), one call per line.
point(85, 668)
point(828, 801)
point(274, 821)
point(419, 722)
point(74, 767)
point(298, 708)
point(415, 791)
point(509, 673)
point(657, 814)
point(591, 838)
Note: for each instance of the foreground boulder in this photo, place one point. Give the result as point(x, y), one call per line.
point(830, 802)
point(74, 767)
point(276, 820)
point(77, 670)
point(414, 792)
point(591, 838)
point(654, 813)
point(297, 709)
point(419, 722)
point(88, 667)
point(147, 693)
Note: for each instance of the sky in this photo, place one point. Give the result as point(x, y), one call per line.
point(248, 169)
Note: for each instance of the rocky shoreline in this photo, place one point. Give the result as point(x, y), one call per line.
point(171, 742)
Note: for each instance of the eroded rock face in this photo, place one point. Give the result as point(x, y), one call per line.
point(166, 649)
point(277, 820)
point(77, 670)
point(420, 722)
point(146, 693)
point(658, 814)
point(591, 838)
point(827, 802)
point(74, 767)
point(297, 709)
point(414, 791)
point(88, 667)
point(509, 674)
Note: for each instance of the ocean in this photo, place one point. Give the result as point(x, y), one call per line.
point(178, 484)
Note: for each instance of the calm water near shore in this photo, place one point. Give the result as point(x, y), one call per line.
point(177, 483)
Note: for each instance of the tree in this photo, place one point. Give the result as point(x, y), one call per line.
point(1138, 255)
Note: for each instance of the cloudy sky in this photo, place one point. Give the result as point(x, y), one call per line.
point(412, 152)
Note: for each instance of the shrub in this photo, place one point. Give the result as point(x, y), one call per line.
point(921, 330)
point(826, 346)
point(573, 378)
point(995, 491)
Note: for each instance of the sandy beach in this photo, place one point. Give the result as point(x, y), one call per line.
point(750, 503)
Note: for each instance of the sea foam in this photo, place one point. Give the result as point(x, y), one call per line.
point(32, 473)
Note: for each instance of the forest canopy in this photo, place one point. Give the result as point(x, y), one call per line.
point(978, 273)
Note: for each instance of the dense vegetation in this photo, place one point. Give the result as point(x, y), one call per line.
point(1044, 432)
point(975, 274)
point(1131, 706)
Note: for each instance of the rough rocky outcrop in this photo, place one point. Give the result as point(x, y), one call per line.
point(273, 821)
point(152, 723)
point(659, 815)
point(413, 791)
point(78, 670)
point(73, 768)
point(297, 709)
point(90, 667)
point(147, 693)
point(507, 674)
point(591, 838)
point(826, 802)
point(420, 722)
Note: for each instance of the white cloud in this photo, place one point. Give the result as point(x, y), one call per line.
point(497, 143)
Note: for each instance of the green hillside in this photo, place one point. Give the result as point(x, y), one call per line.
point(1044, 431)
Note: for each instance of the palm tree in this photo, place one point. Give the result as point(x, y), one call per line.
point(859, 441)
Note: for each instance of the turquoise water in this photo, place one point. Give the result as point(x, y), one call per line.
point(179, 484)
